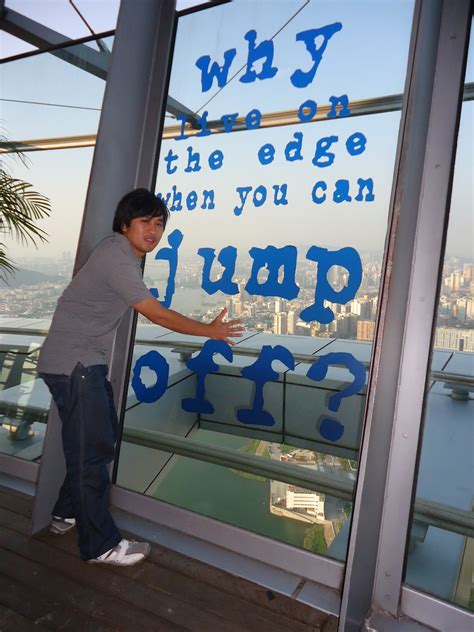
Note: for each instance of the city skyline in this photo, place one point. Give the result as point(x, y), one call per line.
point(63, 175)
point(353, 321)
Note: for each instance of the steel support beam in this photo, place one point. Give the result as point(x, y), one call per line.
point(423, 297)
point(413, 258)
point(127, 142)
point(36, 34)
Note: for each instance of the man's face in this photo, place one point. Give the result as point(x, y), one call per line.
point(144, 234)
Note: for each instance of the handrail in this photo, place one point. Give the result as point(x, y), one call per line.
point(425, 511)
point(185, 350)
point(361, 107)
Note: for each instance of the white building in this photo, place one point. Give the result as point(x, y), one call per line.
point(299, 498)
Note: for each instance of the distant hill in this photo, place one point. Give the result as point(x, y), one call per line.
point(26, 277)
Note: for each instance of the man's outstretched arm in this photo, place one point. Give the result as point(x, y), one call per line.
point(217, 329)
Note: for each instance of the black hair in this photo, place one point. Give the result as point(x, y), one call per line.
point(138, 203)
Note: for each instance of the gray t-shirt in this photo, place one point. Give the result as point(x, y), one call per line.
point(91, 307)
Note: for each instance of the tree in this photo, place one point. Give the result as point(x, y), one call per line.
point(20, 208)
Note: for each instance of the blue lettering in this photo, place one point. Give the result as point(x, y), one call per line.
point(311, 109)
point(261, 372)
point(322, 157)
point(208, 198)
point(228, 121)
point(331, 429)
point(341, 192)
point(343, 103)
point(259, 196)
point(302, 79)
point(345, 257)
point(263, 50)
point(369, 183)
point(169, 158)
point(356, 143)
point(273, 259)
point(157, 363)
point(227, 258)
point(243, 194)
point(319, 199)
point(282, 189)
point(253, 118)
point(216, 159)
point(191, 200)
point(293, 148)
point(193, 161)
point(202, 365)
point(171, 255)
point(202, 122)
point(266, 154)
point(218, 72)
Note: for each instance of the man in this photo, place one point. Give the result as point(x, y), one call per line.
point(74, 364)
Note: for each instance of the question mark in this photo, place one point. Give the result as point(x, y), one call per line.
point(332, 429)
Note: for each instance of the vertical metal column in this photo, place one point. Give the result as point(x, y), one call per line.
point(129, 131)
point(428, 258)
point(402, 351)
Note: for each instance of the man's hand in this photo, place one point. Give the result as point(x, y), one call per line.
point(219, 330)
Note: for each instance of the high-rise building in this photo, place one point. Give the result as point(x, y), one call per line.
point(299, 498)
point(454, 338)
point(280, 323)
point(356, 307)
point(468, 272)
point(365, 329)
point(237, 307)
point(244, 295)
point(280, 306)
point(470, 309)
point(333, 276)
point(230, 308)
point(291, 322)
point(303, 329)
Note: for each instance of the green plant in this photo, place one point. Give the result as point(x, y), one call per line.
point(20, 208)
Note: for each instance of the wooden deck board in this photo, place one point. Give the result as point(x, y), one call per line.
point(44, 585)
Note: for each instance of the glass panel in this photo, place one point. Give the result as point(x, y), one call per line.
point(29, 297)
point(10, 45)
point(279, 207)
point(55, 94)
point(62, 17)
point(440, 557)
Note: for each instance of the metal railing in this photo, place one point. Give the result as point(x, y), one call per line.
point(361, 107)
point(425, 511)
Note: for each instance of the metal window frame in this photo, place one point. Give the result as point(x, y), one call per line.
point(401, 363)
point(48, 40)
point(304, 564)
point(434, 612)
point(125, 157)
point(428, 258)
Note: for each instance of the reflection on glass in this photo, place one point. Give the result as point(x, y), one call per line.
point(29, 297)
point(440, 558)
point(62, 18)
point(55, 95)
point(290, 513)
point(279, 202)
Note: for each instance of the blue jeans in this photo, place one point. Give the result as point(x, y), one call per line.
point(89, 430)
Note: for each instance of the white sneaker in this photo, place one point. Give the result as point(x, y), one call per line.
point(60, 526)
point(126, 553)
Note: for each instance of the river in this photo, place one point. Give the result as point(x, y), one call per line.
point(226, 495)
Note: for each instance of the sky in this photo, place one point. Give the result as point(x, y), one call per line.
point(59, 15)
point(366, 58)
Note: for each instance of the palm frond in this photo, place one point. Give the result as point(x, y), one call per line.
point(12, 149)
point(20, 208)
point(7, 269)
